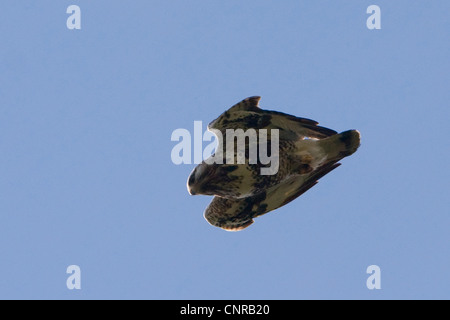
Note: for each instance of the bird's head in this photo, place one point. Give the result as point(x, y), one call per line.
point(200, 180)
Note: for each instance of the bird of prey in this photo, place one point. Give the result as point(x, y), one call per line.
point(306, 152)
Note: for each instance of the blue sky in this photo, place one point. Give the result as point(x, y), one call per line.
point(86, 176)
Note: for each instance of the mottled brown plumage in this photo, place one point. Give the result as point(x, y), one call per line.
point(306, 153)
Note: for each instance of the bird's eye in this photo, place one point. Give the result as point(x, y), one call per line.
point(199, 172)
point(191, 179)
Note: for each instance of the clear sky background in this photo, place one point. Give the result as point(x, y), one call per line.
point(86, 176)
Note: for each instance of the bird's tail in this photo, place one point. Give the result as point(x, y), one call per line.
point(341, 145)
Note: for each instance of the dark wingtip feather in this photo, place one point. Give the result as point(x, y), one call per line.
point(313, 180)
point(306, 123)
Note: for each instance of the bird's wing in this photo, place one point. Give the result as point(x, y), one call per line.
point(237, 214)
point(247, 114)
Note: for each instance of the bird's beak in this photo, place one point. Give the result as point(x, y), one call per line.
point(191, 191)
